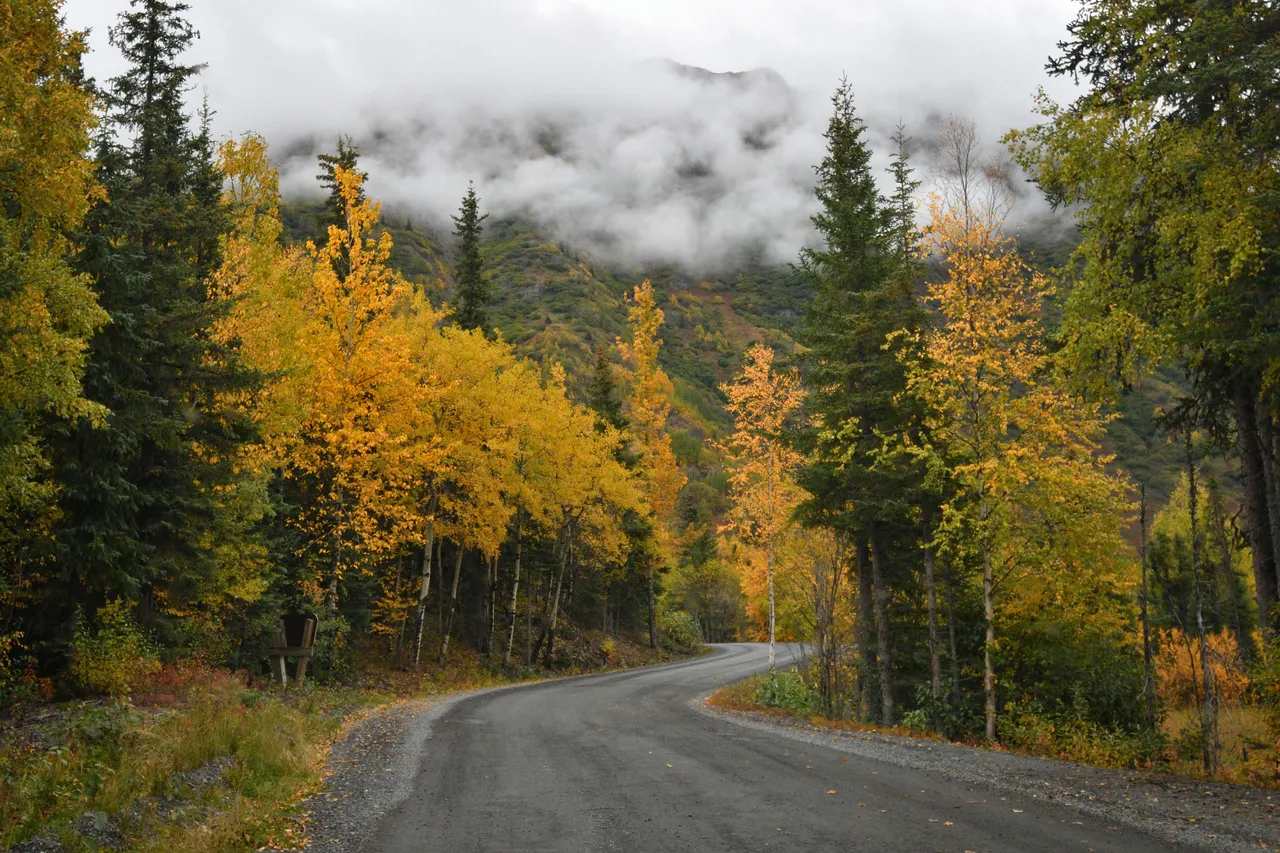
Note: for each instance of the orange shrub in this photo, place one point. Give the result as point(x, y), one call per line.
point(1180, 675)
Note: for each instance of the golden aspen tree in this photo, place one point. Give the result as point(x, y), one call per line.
point(590, 490)
point(47, 312)
point(1034, 500)
point(650, 404)
point(355, 444)
point(763, 402)
point(459, 492)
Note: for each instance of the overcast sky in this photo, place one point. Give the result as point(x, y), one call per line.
point(470, 89)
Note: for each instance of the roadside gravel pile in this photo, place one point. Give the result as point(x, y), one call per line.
point(1187, 811)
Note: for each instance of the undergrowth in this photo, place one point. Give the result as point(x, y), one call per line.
point(110, 756)
point(1249, 752)
point(117, 757)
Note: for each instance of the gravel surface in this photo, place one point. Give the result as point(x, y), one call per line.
point(1211, 815)
point(372, 771)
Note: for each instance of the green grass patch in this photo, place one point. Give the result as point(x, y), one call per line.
point(120, 761)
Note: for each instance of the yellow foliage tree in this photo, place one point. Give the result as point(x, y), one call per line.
point(47, 312)
point(650, 404)
point(763, 403)
point(1034, 501)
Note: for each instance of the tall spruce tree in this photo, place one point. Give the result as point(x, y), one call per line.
point(861, 278)
point(139, 494)
point(603, 395)
point(473, 293)
point(346, 156)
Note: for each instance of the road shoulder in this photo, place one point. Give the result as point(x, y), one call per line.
point(1186, 811)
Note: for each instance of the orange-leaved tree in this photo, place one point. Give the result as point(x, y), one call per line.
point(764, 402)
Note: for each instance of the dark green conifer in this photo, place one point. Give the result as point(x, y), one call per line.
point(138, 493)
point(473, 294)
point(347, 157)
point(603, 396)
point(861, 276)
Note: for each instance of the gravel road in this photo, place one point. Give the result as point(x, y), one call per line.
point(634, 761)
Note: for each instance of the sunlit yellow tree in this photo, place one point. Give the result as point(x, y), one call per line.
point(355, 446)
point(1034, 501)
point(763, 402)
point(47, 312)
point(650, 404)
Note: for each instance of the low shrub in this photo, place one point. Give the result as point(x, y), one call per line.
point(1180, 674)
point(787, 689)
point(114, 655)
point(1071, 733)
point(679, 628)
point(18, 679)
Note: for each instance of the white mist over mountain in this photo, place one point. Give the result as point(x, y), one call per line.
point(557, 108)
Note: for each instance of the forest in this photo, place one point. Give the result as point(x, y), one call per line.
point(218, 406)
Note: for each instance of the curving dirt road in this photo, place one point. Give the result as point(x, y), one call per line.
point(629, 762)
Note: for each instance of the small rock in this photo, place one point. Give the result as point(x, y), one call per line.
point(95, 827)
point(38, 844)
point(197, 781)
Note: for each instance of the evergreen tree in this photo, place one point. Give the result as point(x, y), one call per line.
point(347, 156)
point(603, 396)
point(1168, 158)
point(473, 293)
point(140, 493)
point(861, 278)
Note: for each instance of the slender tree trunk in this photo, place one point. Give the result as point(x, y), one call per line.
point(884, 651)
point(397, 643)
point(865, 628)
point(555, 604)
point(988, 649)
point(1258, 504)
point(491, 605)
point(951, 636)
point(440, 598)
point(528, 625)
point(931, 602)
point(820, 630)
point(653, 608)
point(833, 600)
point(453, 603)
point(1271, 488)
point(515, 589)
point(1149, 681)
point(336, 567)
point(772, 612)
point(427, 545)
point(1207, 709)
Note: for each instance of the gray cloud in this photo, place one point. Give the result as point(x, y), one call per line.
point(556, 107)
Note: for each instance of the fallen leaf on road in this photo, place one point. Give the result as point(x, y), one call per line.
point(1015, 811)
point(832, 791)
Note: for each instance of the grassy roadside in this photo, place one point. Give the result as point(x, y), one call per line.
point(785, 695)
point(214, 762)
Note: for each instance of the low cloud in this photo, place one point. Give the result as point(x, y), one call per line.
point(559, 110)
